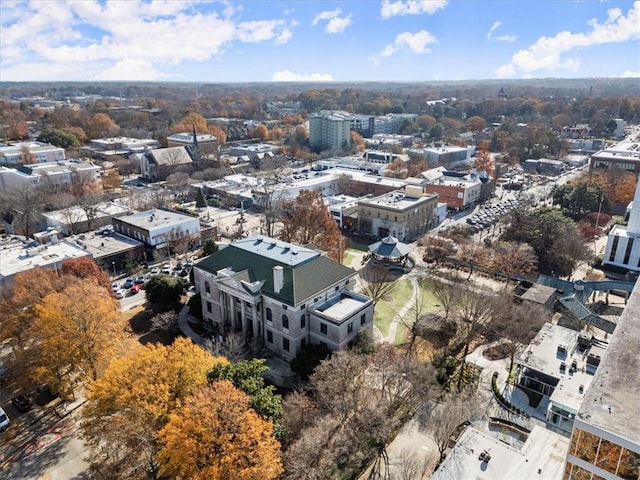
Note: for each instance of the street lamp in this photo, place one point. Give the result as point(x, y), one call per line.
point(113, 264)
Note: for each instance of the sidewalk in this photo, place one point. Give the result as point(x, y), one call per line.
point(183, 322)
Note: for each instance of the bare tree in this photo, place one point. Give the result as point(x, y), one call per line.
point(442, 419)
point(232, 346)
point(472, 310)
point(22, 207)
point(165, 321)
point(90, 204)
point(446, 290)
point(377, 282)
point(410, 466)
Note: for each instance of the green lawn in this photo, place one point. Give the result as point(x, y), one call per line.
point(362, 247)
point(348, 257)
point(429, 303)
point(387, 308)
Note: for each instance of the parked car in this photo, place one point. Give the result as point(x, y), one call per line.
point(139, 280)
point(154, 271)
point(4, 420)
point(128, 283)
point(120, 294)
point(22, 403)
point(135, 288)
point(166, 269)
point(178, 267)
point(115, 286)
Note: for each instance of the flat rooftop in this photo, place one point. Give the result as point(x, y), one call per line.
point(543, 356)
point(342, 306)
point(541, 457)
point(16, 256)
point(396, 200)
point(613, 401)
point(156, 218)
point(100, 246)
point(626, 150)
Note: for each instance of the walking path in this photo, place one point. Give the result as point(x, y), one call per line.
point(393, 326)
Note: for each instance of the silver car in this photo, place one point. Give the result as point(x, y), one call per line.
point(4, 420)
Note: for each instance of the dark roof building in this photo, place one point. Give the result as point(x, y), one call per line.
point(281, 296)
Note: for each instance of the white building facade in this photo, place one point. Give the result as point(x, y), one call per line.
point(280, 296)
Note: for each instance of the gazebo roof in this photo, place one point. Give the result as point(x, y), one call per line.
point(389, 247)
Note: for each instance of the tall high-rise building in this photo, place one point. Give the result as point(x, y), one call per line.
point(605, 442)
point(330, 129)
point(623, 244)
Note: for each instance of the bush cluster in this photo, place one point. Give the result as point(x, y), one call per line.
point(503, 401)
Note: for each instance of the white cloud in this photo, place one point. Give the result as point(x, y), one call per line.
point(335, 23)
point(122, 36)
point(289, 76)
point(505, 71)
point(547, 52)
point(500, 38)
point(133, 69)
point(416, 42)
point(411, 7)
point(628, 74)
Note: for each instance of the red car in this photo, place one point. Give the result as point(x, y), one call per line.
point(135, 288)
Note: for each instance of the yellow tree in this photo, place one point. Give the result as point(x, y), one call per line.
point(76, 331)
point(20, 299)
point(216, 435)
point(260, 132)
point(307, 220)
point(128, 406)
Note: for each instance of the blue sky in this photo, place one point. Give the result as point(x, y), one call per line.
point(358, 40)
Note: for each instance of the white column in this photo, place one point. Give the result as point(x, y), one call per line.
point(221, 302)
point(232, 313)
point(243, 316)
point(254, 320)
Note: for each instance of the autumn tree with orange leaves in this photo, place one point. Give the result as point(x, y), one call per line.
point(76, 333)
point(483, 162)
point(307, 220)
point(216, 435)
point(131, 403)
point(18, 303)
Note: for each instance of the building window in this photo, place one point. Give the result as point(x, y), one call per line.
point(284, 307)
point(363, 319)
point(269, 336)
point(207, 287)
point(337, 286)
point(285, 321)
point(323, 328)
point(350, 328)
point(614, 248)
point(627, 252)
point(209, 307)
point(269, 314)
point(285, 344)
point(303, 306)
point(303, 321)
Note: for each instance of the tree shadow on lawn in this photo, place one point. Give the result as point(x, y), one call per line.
point(141, 326)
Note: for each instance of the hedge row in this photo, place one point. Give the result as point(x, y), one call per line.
point(503, 401)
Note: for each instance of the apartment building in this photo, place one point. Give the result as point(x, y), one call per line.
point(53, 175)
point(12, 155)
point(330, 129)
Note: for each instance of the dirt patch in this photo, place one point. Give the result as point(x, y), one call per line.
point(497, 352)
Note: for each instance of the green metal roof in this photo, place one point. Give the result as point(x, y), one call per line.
point(301, 281)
